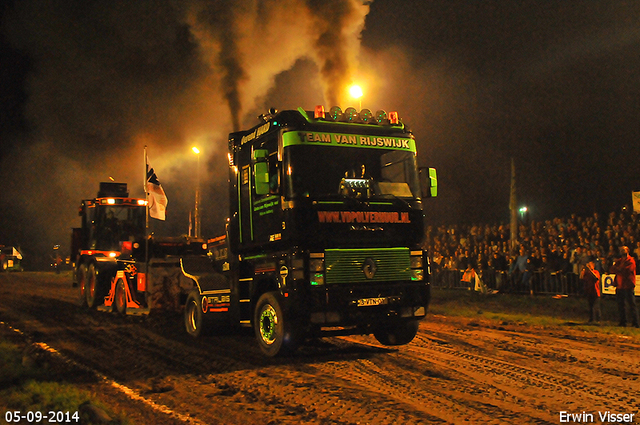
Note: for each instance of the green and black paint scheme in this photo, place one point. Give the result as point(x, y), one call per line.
point(324, 234)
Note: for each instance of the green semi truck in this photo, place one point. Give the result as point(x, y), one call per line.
point(324, 232)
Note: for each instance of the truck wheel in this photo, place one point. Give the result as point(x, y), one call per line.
point(194, 322)
point(93, 290)
point(397, 333)
point(120, 298)
point(276, 335)
point(82, 284)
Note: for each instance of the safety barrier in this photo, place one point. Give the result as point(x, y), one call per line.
point(540, 281)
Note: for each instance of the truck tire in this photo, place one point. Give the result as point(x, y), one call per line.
point(120, 298)
point(94, 293)
point(82, 284)
point(194, 320)
point(276, 334)
point(397, 332)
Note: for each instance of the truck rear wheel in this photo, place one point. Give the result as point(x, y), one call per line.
point(276, 334)
point(82, 284)
point(397, 333)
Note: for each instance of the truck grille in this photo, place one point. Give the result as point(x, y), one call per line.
point(367, 265)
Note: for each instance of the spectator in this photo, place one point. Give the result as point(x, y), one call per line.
point(577, 262)
point(625, 282)
point(519, 267)
point(558, 238)
point(590, 278)
point(498, 263)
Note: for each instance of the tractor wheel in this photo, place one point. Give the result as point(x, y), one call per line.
point(120, 298)
point(82, 284)
point(194, 322)
point(94, 293)
point(276, 334)
point(397, 333)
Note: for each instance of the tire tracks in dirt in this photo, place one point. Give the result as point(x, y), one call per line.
point(453, 372)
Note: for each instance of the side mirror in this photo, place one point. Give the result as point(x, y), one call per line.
point(428, 182)
point(260, 155)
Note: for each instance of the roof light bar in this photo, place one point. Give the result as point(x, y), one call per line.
point(351, 115)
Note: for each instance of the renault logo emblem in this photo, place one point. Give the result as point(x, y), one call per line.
point(369, 268)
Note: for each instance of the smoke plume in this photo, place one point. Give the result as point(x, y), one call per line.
point(251, 42)
point(106, 79)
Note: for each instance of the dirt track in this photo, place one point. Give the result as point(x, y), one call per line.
point(455, 371)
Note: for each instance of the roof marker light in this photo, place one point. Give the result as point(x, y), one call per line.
point(393, 118)
point(350, 114)
point(366, 116)
point(335, 113)
point(319, 112)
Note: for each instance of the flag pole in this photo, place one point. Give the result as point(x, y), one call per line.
point(146, 194)
point(513, 209)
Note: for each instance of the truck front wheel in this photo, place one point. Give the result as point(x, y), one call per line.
point(193, 315)
point(396, 333)
point(120, 298)
point(93, 290)
point(276, 334)
point(82, 284)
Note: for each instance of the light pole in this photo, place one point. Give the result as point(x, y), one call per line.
point(523, 214)
point(356, 92)
point(196, 214)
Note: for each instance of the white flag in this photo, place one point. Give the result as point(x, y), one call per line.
point(157, 198)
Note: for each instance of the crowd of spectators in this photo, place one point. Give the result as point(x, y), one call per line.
point(547, 257)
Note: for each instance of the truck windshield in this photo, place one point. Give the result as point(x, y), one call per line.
point(119, 223)
point(329, 172)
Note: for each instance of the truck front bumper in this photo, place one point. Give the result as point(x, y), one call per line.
point(356, 305)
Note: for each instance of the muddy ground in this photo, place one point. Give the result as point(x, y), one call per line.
point(455, 371)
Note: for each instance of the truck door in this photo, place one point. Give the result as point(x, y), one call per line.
point(260, 213)
point(246, 205)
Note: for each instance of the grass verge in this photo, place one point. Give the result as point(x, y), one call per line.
point(538, 310)
point(33, 383)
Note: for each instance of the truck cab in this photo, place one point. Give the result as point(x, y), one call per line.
point(326, 224)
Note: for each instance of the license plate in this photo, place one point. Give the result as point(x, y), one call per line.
point(364, 302)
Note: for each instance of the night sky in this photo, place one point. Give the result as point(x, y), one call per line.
point(85, 85)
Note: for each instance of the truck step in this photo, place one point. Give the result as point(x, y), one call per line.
point(138, 311)
point(130, 311)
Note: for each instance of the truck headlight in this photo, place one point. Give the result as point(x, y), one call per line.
point(316, 265)
point(417, 266)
